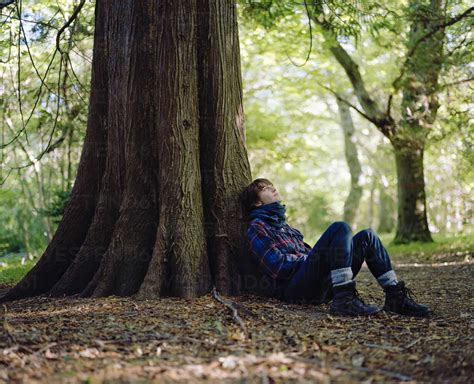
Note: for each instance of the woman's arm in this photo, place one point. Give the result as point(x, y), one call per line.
point(272, 260)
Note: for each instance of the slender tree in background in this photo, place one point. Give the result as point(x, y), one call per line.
point(386, 210)
point(351, 204)
point(154, 209)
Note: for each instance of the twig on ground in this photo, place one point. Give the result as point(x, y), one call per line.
point(233, 307)
point(247, 311)
point(389, 347)
point(384, 372)
point(412, 343)
point(39, 351)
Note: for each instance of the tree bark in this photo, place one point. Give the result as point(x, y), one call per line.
point(222, 140)
point(114, 57)
point(179, 264)
point(351, 205)
point(412, 218)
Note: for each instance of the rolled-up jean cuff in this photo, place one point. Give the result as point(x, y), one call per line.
point(341, 276)
point(388, 278)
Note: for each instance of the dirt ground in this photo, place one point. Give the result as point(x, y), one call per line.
point(118, 340)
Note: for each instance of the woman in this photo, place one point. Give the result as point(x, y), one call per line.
point(326, 270)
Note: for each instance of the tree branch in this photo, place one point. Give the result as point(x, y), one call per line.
point(68, 23)
point(352, 70)
point(345, 101)
point(415, 46)
point(310, 40)
point(23, 129)
point(42, 23)
point(42, 79)
point(372, 110)
point(442, 86)
point(20, 105)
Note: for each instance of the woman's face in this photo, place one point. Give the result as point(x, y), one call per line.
point(267, 195)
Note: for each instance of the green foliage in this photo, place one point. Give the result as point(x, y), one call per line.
point(442, 247)
point(54, 91)
point(14, 268)
point(345, 18)
point(10, 240)
point(56, 208)
point(267, 13)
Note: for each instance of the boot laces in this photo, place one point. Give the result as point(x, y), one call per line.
point(357, 296)
point(409, 294)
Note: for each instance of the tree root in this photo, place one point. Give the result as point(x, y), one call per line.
point(233, 307)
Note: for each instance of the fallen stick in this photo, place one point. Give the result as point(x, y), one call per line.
point(412, 343)
point(233, 307)
point(384, 372)
point(378, 346)
point(38, 352)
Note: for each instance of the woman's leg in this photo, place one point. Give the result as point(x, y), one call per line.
point(328, 263)
point(369, 248)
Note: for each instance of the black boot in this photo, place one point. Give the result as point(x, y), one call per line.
point(399, 299)
point(347, 302)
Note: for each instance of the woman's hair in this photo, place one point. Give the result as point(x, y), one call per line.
point(250, 193)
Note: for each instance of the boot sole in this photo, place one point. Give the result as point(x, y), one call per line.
point(350, 313)
point(413, 314)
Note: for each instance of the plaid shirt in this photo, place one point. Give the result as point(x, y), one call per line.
point(279, 251)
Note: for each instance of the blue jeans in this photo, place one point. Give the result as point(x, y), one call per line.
point(336, 249)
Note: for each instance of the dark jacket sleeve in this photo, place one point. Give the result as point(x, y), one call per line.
point(272, 261)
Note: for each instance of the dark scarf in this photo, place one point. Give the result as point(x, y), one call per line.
point(273, 213)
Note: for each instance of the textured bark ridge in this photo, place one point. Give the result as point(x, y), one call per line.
point(155, 206)
point(411, 195)
point(224, 164)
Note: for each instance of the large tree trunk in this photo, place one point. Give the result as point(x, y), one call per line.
point(149, 159)
point(412, 218)
point(351, 205)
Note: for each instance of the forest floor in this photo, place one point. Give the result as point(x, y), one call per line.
point(120, 340)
